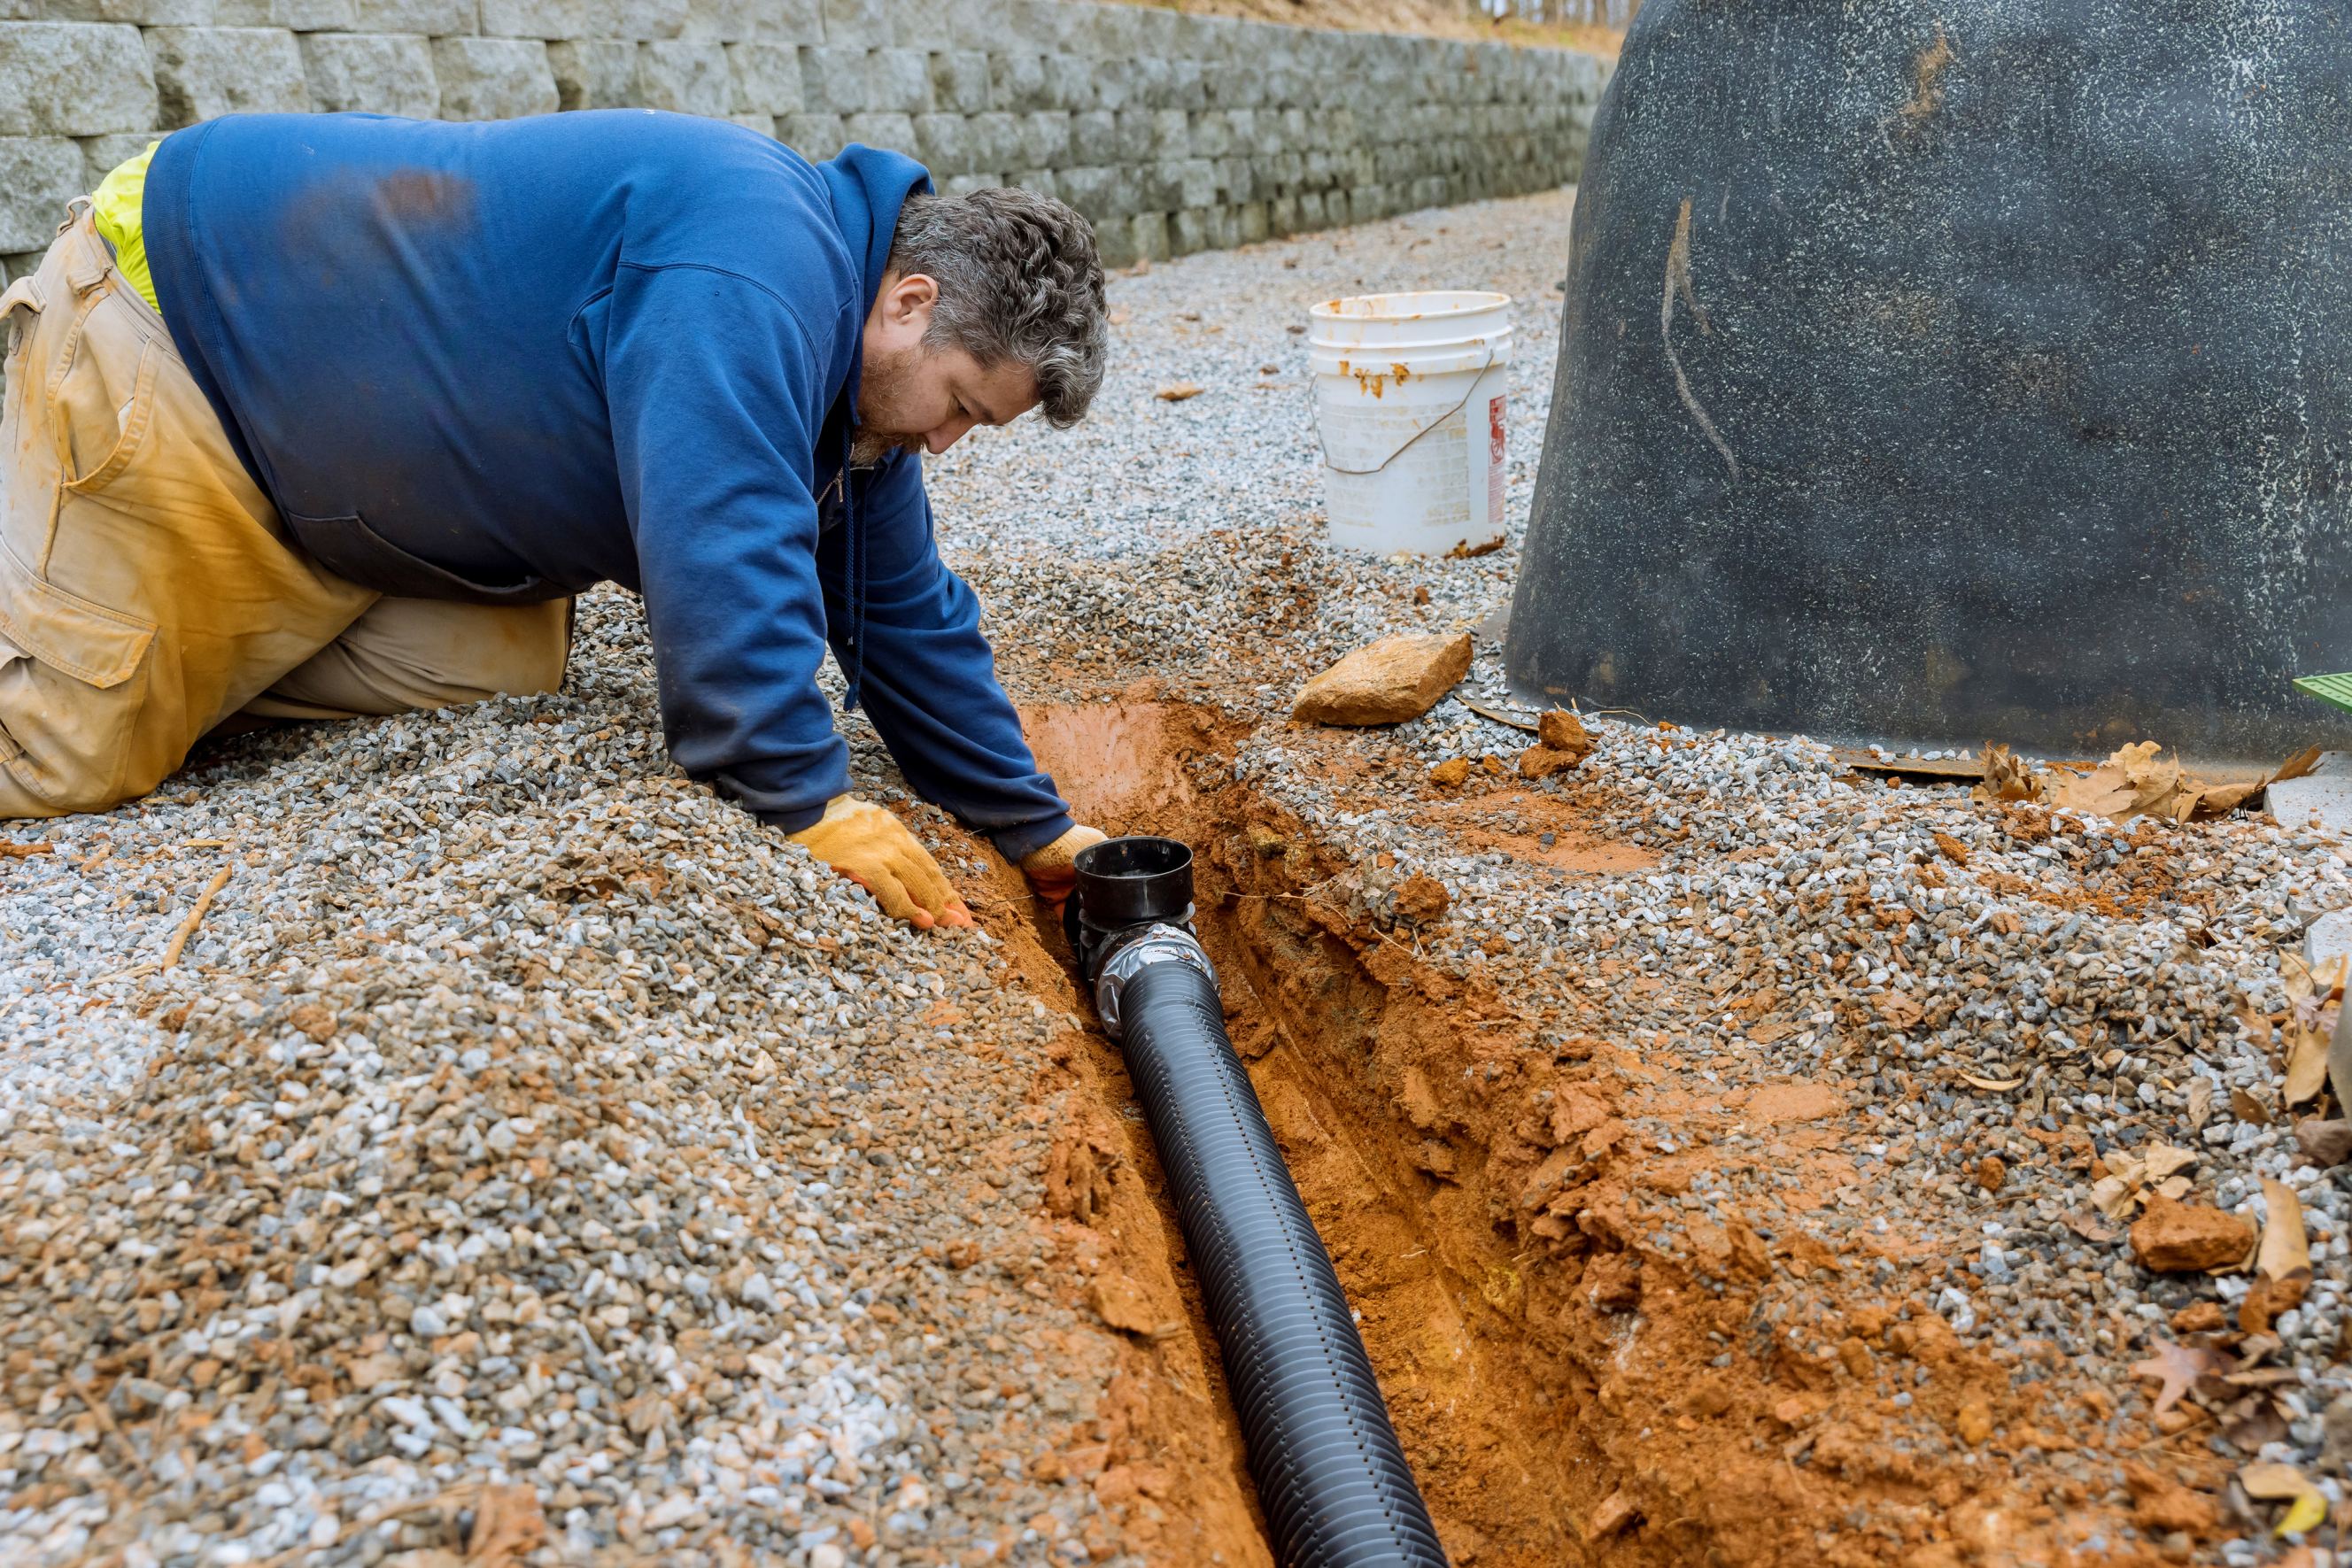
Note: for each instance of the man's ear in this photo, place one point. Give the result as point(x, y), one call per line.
point(908, 300)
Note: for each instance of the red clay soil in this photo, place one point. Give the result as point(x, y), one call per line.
point(1568, 1392)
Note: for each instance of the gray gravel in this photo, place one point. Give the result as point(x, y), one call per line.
point(520, 1113)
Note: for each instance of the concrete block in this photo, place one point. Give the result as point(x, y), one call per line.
point(965, 184)
point(201, 72)
point(1187, 232)
point(788, 22)
point(1045, 26)
point(959, 81)
point(39, 177)
point(686, 78)
point(895, 132)
point(1044, 182)
point(1115, 242)
point(1016, 82)
point(70, 78)
point(1070, 82)
point(371, 73)
point(816, 136)
point(898, 82)
point(943, 142)
point(1115, 82)
point(642, 20)
point(2327, 939)
point(434, 19)
point(1281, 216)
point(835, 81)
point(721, 21)
point(1107, 32)
point(976, 24)
point(1209, 133)
point(1094, 136)
point(1149, 80)
point(996, 140)
point(101, 155)
point(1152, 236)
point(299, 15)
point(550, 19)
point(2324, 794)
point(141, 13)
point(1187, 85)
point(1045, 139)
point(765, 124)
point(493, 79)
point(1100, 194)
point(21, 264)
point(594, 73)
point(863, 23)
point(929, 25)
point(767, 77)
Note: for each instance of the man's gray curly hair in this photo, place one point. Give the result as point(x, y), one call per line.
point(1019, 279)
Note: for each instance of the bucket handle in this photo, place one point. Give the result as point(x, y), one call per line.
point(1324, 443)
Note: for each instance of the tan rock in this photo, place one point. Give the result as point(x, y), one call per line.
point(2179, 1238)
point(1562, 731)
point(2327, 1143)
point(1124, 1304)
point(1450, 773)
point(1543, 761)
point(1393, 680)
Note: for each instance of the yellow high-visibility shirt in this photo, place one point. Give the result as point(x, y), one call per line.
point(116, 208)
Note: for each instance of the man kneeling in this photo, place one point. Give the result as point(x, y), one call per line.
point(317, 416)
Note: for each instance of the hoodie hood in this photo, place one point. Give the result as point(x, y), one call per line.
point(867, 186)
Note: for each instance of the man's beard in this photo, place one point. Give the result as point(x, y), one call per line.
point(876, 386)
point(867, 448)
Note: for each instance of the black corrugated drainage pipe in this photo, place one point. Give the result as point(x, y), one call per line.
point(1332, 1480)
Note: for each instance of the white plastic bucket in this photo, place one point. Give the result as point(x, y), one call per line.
point(1409, 394)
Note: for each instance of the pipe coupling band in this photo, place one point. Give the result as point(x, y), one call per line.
point(1149, 945)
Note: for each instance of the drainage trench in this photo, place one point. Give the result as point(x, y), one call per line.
point(1341, 1054)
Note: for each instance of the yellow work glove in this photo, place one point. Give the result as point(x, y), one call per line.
point(873, 848)
point(1052, 869)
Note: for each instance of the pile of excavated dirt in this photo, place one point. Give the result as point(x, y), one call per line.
point(523, 1157)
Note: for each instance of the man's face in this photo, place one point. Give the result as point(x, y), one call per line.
point(918, 397)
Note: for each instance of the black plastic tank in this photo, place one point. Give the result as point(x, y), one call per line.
point(1955, 372)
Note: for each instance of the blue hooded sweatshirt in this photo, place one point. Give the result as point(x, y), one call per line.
point(500, 362)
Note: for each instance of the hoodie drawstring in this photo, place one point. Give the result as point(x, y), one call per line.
point(854, 552)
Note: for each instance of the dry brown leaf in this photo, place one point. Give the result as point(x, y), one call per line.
point(2286, 1251)
point(2007, 778)
point(2274, 1482)
point(2135, 779)
point(2295, 767)
point(2306, 1063)
point(2174, 1187)
point(1994, 1083)
point(2178, 1367)
point(2201, 1101)
point(1120, 317)
point(1178, 393)
point(2163, 1159)
point(2296, 975)
point(507, 1527)
point(2248, 1106)
point(2114, 1197)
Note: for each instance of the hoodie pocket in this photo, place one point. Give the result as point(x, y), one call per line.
point(351, 549)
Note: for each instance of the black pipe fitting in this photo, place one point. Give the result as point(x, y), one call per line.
point(1330, 1475)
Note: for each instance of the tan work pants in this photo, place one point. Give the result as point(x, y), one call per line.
point(148, 590)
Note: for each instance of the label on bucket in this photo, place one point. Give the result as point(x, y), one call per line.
point(1494, 464)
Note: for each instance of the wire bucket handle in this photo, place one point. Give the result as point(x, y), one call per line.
point(1323, 442)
